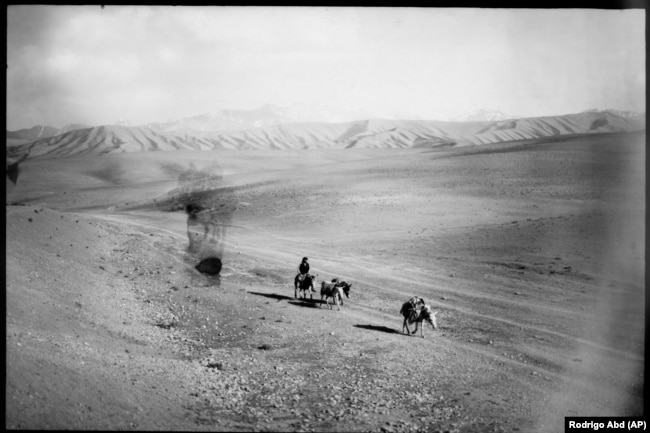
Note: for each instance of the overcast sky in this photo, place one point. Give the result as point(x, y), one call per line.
point(85, 64)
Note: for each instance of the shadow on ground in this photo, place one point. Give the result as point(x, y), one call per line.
point(271, 295)
point(379, 328)
point(311, 303)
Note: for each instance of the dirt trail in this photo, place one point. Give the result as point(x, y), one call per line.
point(387, 288)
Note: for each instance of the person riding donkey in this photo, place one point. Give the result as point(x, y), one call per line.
point(304, 280)
point(303, 269)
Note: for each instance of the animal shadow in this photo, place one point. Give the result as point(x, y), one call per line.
point(379, 328)
point(310, 303)
point(271, 295)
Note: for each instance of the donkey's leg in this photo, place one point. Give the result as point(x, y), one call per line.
point(406, 325)
point(417, 325)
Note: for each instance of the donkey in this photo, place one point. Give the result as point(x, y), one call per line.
point(333, 290)
point(415, 311)
point(307, 284)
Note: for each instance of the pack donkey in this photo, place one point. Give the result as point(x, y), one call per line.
point(333, 290)
point(416, 311)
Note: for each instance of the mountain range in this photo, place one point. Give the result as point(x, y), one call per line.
point(272, 128)
point(266, 115)
point(483, 114)
point(37, 132)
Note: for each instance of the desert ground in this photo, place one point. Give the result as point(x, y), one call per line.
point(532, 253)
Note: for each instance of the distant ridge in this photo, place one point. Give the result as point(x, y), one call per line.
point(225, 120)
point(483, 115)
point(33, 133)
point(264, 116)
point(627, 114)
point(306, 135)
point(37, 132)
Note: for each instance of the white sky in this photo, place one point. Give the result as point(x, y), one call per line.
point(84, 64)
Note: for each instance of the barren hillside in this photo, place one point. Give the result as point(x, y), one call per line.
point(362, 134)
point(531, 252)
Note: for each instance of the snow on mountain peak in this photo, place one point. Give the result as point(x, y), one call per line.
point(486, 115)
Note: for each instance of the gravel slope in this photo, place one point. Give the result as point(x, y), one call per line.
point(534, 263)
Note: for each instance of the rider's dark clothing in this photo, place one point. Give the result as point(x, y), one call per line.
point(303, 268)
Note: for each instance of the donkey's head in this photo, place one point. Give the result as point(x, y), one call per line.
point(429, 316)
point(346, 288)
